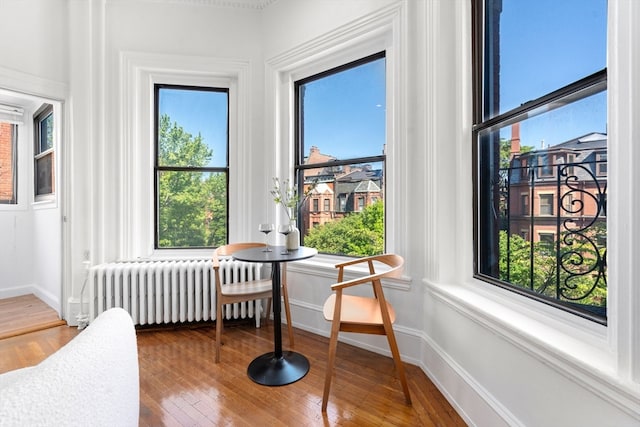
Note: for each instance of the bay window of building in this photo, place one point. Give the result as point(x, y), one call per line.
point(340, 139)
point(540, 134)
point(191, 166)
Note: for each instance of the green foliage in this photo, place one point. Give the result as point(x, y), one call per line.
point(192, 204)
point(357, 234)
point(534, 266)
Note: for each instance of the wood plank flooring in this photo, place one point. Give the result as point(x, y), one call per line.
point(24, 314)
point(180, 385)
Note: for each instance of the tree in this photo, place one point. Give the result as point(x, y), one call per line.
point(357, 234)
point(191, 203)
point(581, 278)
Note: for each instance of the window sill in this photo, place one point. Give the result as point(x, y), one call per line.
point(530, 324)
point(575, 346)
point(324, 265)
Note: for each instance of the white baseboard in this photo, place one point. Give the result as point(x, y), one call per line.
point(474, 404)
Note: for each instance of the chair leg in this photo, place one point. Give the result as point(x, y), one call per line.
point(287, 312)
point(333, 345)
point(268, 310)
point(393, 345)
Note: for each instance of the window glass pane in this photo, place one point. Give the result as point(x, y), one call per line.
point(341, 128)
point(44, 181)
point(191, 166)
point(195, 120)
point(46, 133)
point(192, 209)
point(557, 160)
point(8, 172)
point(535, 47)
point(355, 225)
point(44, 175)
point(344, 113)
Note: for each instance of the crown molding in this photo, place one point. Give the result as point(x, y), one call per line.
point(233, 4)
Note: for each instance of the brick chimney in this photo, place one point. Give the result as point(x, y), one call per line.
point(515, 140)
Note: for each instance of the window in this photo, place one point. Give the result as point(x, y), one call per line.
point(540, 98)
point(340, 145)
point(546, 204)
point(316, 204)
point(601, 164)
point(524, 204)
point(44, 152)
point(191, 166)
point(8, 165)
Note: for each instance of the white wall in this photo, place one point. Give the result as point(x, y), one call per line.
point(30, 246)
point(498, 359)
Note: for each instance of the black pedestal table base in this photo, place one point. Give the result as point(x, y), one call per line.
point(278, 367)
point(271, 370)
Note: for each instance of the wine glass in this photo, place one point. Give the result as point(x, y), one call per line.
point(266, 228)
point(285, 229)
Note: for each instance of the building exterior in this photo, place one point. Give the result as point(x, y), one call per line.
point(557, 189)
point(337, 191)
point(7, 165)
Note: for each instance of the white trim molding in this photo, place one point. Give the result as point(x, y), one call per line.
point(139, 72)
point(382, 30)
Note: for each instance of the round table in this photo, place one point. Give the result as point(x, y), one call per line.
point(277, 367)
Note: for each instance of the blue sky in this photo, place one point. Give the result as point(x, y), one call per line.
point(345, 112)
point(539, 63)
point(203, 112)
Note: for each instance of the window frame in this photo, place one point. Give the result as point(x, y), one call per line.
point(299, 167)
point(158, 169)
point(43, 113)
point(589, 85)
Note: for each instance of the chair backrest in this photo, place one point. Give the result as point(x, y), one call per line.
point(230, 249)
point(393, 261)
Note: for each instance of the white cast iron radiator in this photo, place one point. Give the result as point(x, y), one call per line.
point(156, 292)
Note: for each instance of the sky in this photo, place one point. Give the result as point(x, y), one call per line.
point(345, 112)
point(203, 112)
point(539, 63)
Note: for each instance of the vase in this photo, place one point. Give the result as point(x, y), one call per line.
point(293, 238)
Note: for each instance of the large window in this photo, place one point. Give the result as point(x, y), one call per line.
point(44, 160)
point(191, 167)
point(540, 123)
point(8, 165)
point(340, 157)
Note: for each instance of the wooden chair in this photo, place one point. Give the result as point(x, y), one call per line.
point(368, 315)
point(244, 291)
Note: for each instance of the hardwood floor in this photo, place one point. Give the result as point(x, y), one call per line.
point(180, 385)
point(24, 314)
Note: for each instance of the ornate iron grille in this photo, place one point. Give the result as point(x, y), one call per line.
point(557, 250)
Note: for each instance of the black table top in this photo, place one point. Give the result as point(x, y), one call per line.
point(257, 254)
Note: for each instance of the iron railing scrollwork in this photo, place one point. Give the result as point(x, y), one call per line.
point(572, 268)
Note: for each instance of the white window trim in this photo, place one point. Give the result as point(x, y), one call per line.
point(603, 359)
point(25, 149)
point(140, 71)
point(383, 30)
